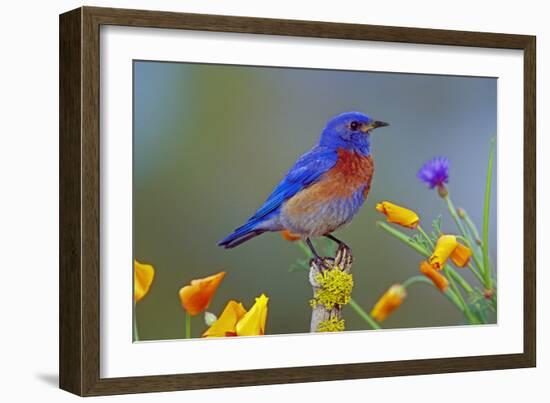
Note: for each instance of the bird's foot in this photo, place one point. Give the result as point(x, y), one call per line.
point(317, 260)
point(341, 244)
point(321, 263)
point(344, 256)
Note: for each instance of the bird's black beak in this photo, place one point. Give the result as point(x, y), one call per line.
point(373, 125)
point(378, 123)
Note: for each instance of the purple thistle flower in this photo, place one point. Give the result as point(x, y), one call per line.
point(435, 172)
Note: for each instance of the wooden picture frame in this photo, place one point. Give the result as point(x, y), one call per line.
point(79, 200)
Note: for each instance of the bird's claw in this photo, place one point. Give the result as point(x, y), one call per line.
point(343, 256)
point(321, 263)
point(343, 259)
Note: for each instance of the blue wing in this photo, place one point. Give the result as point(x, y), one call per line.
point(306, 171)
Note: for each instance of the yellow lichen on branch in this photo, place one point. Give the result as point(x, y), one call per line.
point(331, 325)
point(332, 284)
point(335, 288)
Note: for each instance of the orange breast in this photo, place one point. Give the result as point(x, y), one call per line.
point(351, 172)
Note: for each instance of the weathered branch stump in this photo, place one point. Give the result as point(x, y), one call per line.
point(332, 283)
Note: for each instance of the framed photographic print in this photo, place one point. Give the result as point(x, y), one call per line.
point(250, 201)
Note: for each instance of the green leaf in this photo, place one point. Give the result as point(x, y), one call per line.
point(403, 238)
point(436, 225)
point(299, 265)
point(420, 241)
point(480, 306)
point(486, 210)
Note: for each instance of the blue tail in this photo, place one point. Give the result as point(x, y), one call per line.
point(241, 235)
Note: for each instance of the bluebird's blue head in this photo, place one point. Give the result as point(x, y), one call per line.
point(351, 131)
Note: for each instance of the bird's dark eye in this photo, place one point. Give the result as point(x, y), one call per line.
point(354, 125)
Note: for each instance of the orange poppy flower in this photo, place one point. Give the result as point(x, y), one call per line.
point(236, 321)
point(143, 278)
point(226, 324)
point(438, 279)
point(389, 302)
point(196, 297)
point(444, 247)
point(253, 322)
point(398, 215)
point(461, 255)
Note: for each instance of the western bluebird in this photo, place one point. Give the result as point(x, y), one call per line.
point(323, 190)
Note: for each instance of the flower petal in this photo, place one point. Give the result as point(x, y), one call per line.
point(143, 278)
point(438, 279)
point(196, 297)
point(445, 245)
point(398, 215)
point(253, 322)
point(227, 322)
point(435, 172)
point(461, 255)
point(389, 302)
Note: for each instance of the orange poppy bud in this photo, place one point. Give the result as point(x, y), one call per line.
point(461, 255)
point(143, 278)
point(438, 279)
point(196, 297)
point(398, 215)
point(389, 302)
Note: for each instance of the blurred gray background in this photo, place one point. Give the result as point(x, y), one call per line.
point(211, 141)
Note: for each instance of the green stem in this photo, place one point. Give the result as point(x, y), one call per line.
point(474, 251)
point(402, 237)
point(472, 227)
point(399, 235)
point(459, 279)
point(461, 238)
point(187, 325)
point(305, 249)
point(421, 230)
point(416, 279)
point(455, 288)
point(470, 265)
point(136, 333)
point(365, 316)
point(485, 243)
point(476, 273)
point(454, 214)
point(465, 309)
point(456, 218)
point(449, 294)
point(453, 294)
